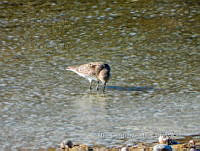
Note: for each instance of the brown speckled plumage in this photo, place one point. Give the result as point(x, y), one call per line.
point(97, 71)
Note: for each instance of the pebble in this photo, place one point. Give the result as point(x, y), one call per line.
point(162, 147)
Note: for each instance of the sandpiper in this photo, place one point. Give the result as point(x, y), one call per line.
point(97, 71)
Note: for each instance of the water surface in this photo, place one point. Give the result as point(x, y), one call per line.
point(153, 48)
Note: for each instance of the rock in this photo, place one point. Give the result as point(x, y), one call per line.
point(70, 144)
point(64, 144)
point(192, 145)
point(163, 139)
point(124, 149)
point(167, 140)
point(162, 147)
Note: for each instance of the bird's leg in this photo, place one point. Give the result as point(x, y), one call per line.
point(97, 88)
point(104, 85)
point(90, 84)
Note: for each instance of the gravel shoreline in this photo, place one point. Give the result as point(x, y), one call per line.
point(183, 145)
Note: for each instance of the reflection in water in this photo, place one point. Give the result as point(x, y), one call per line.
point(150, 45)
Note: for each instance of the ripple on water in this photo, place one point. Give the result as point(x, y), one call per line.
point(153, 53)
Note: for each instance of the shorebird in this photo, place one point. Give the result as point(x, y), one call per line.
point(93, 71)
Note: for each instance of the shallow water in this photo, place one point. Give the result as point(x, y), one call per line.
point(153, 48)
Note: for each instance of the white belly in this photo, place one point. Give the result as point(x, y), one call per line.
point(90, 78)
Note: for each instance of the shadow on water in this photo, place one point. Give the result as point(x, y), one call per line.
point(133, 88)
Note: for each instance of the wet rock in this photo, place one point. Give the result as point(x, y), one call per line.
point(192, 145)
point(162, 147)
point(66, 144)
point(163, 139)
point(124, 149)
point(167, 140)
